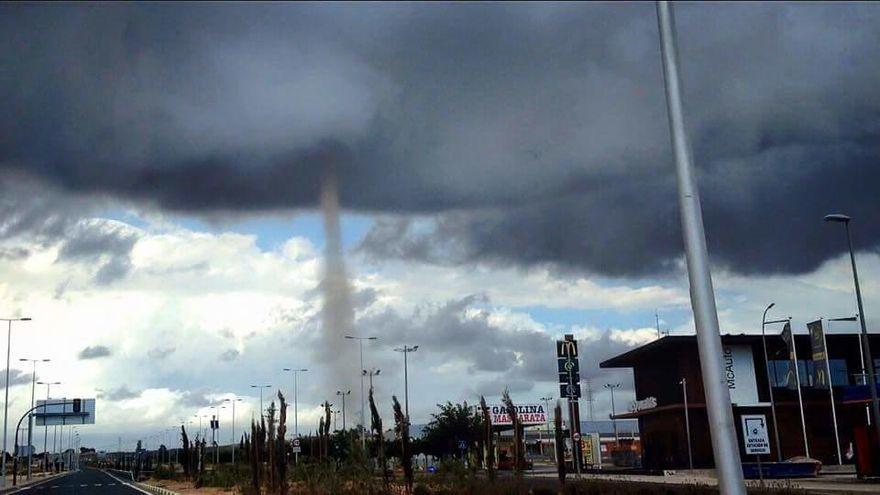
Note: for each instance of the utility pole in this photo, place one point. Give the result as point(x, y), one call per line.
point(718, 406)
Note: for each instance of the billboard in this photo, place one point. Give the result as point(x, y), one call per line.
point(65, 412)
point(739, 374)
point(529, 414)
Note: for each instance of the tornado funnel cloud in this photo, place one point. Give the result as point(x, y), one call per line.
point(337, 314)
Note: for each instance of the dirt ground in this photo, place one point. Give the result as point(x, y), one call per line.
point(186, 488)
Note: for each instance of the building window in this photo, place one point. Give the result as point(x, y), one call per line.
point(807, 371)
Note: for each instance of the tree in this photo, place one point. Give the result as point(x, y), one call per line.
point(453, 424)
point(487, 439)
point(401, 427)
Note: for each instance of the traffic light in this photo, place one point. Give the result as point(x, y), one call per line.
point(77, 405)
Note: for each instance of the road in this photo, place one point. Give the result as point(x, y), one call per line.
point(85, 482)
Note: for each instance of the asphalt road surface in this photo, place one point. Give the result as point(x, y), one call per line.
point(84, 482)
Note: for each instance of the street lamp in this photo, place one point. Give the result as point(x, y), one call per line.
point(702, 294)
point(295, 372)
point(868, 361)
point(233, 401)
point(31, 414)
point(611, 387)
point(371, 373)
point(261, 387)
point(363, 417)
point(687, 421)
point(764, 324)
point(343, 394)
point(46, 424)
point(406, 350)
point(6, 400)
point(546, 401)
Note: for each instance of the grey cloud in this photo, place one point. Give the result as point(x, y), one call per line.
point(108, 245)
point(460, 329)
point(197, 398)
point(16, 377)
point(229, 355)
point(119, 393)
point(94, 352)
point(34, 212)
point(160, 352)
point(533, 133)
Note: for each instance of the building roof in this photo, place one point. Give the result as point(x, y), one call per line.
point(668, 342)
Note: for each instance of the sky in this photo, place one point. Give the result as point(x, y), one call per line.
point(504, 178)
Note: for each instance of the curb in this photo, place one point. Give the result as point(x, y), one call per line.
point(157, 490)
point(141, 487)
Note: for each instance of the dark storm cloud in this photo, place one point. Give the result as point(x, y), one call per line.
point(94, 352)
point(32, 212)
point(531, 133)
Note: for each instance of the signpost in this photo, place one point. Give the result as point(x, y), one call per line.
point(528, 414)
point(755, 438)
point(570, 388)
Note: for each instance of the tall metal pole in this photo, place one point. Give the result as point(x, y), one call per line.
point(770, 382)
point(718, 407)
point(797, 378)
point(363, 418)
point(613, 412)
point(687, 422)
point(831, 396)
point(406, 350)
point(6, 401)
point(868, 359)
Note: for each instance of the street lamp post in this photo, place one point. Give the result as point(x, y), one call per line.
point(46, 425)
point(31, 415)
point(371, 373)
point(360, 341)
point(233, 401)
point(343, 394)
point(261, 387)
point(764, 324)
point(295, 372)
point(868, 361)
point(718, 407)
point(406, 350)
point(6, 400)
point(546, 401)
point(861, 380)
point(611, 387)
point(215, 435)
point(687, 422)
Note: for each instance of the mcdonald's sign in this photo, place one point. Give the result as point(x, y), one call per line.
point(567, 348)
